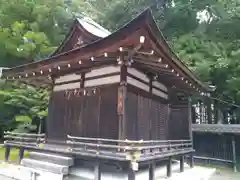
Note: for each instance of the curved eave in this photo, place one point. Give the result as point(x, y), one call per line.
point(89, 28)
point(144, 22)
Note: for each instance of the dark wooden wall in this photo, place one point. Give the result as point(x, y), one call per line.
point(218, 146)
point(146, 116)
point(178, 122)
point(93, 115)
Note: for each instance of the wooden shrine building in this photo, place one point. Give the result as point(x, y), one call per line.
point(122, 96)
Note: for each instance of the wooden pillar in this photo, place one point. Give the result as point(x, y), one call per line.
point(152, 167)
point(97, 171)
point(234, 154)
point(82, 82)
point(190, 117)
point(7, 153)
point(131, 172)
point(20, 154)
point(181, 163)
point(122, 91)
point(169, 167)
point(191, 160)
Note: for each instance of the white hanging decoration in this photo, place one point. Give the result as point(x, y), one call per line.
point(142, 39)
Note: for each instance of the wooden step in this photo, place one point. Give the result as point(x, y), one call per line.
point(45, 166)
point(52, 158)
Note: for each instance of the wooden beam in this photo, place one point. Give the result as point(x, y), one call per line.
point(133, 51)
point(155, 64)
point(64, 68)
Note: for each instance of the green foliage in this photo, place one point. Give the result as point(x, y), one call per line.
point(28, 103)
point(31, 30)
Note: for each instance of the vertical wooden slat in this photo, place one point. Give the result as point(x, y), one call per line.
point(131, 115)
point(109, 122)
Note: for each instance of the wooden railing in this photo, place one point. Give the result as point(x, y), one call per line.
point(133, 150)
point(21, 141)
point(21, 138)
point(130, 149)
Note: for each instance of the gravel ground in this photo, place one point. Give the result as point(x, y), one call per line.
point(225, 175)
point(197, 173)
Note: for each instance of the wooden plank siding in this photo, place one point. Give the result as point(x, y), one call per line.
point(146, 117)
point(89, 116)
point(178, 122)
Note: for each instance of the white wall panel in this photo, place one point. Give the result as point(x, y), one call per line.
point(102, 71)
point(102, 81)
point(138, 74)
